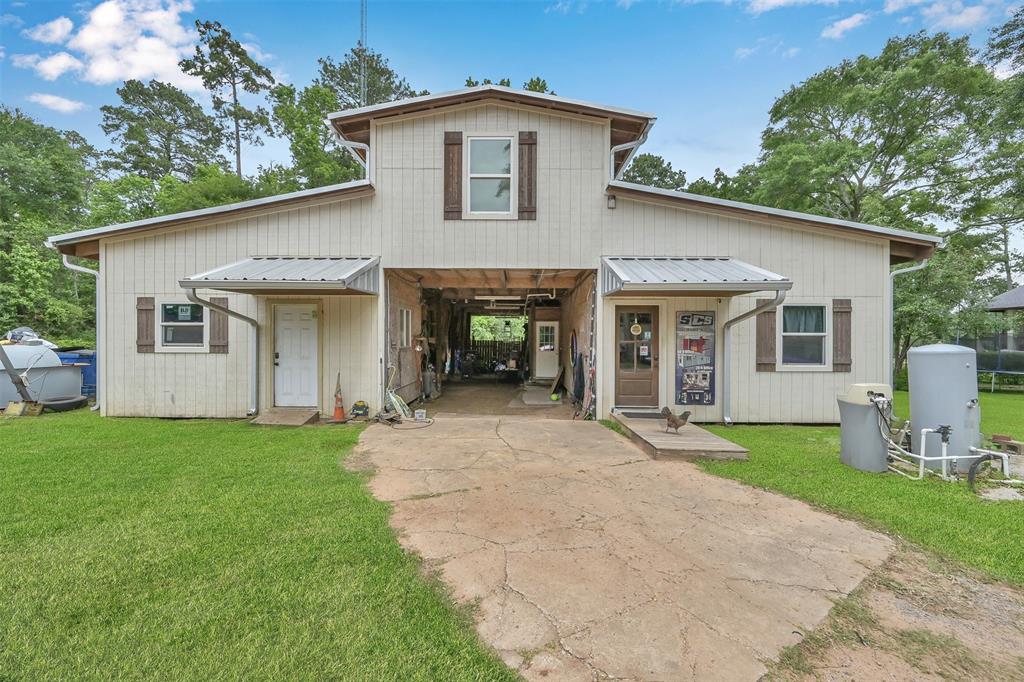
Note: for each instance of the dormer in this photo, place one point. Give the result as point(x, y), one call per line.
point(492, 174)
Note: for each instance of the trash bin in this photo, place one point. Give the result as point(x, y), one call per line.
point(86, 359)
point(861, 441)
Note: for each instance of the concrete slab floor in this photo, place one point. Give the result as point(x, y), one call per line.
point(585, 559)
point(491, 396)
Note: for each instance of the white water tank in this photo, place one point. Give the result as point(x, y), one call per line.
point(944, 391)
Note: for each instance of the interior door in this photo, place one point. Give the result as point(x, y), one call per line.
point(546, 350)
point(295, 355)
point(636, 367)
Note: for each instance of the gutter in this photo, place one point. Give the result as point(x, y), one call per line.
point(780, 296)
point(892, 311)
point(632, 147)
point(254, 346)
point(350, 146)
point(98, 306)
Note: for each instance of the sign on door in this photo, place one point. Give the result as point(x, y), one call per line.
point(695, 358)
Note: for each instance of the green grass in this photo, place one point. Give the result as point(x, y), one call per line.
point(803, 462)
point(209, 550)
point(1000, 412)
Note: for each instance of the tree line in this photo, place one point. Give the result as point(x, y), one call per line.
point(921, 136)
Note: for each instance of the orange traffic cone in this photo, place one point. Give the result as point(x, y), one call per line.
point(339, 406)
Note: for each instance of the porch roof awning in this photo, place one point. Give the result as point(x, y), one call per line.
point(692, 276)
point(292, 275)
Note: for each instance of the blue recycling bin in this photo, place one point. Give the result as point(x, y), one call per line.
point(85, 358)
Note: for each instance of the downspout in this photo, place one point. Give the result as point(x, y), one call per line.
point(95, 274)
point(780, 296)
point(632, 147)
point(892, 313)
point(254, 347)
point(351, 147)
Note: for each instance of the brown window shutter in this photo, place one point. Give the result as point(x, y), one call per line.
point(842, 335)
point(527, 175)
point(218, 327)
point(452, 175)
point(765, 334)
point(145, 324)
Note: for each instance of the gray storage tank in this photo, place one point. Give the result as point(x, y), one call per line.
point(944, 390)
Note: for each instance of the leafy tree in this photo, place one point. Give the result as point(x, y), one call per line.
point(277, 179)
point(887, 139)
point(210, 186)
point(535, 84)
point(383, 84)
point(487, 328)
point(299, 117)
point(121, 200)
point(227, 71)
point(1006, 46)
point(160, 131)
point(740, 187)
point(44, 175)
point(654, 171)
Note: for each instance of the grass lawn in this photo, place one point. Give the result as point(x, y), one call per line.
point(209, 550)
point(803, 462)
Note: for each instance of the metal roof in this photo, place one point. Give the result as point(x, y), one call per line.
point(269, 274)
point(741, 206)
point(483, 90)
point(1011, 300)
point(343, 188)
point(694, 275)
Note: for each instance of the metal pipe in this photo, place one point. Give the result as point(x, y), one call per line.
point(780, 296)
point(254, 347)
point(351, 146)
point(632, 147)
point(95, 274)
point(892, 313)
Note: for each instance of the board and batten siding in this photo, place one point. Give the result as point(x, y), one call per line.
point(403, 223)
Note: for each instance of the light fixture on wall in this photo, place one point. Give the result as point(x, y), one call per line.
point(611, 201)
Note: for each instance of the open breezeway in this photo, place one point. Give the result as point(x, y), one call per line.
point(583, 558)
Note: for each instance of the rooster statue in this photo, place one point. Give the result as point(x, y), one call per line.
point(675, 421)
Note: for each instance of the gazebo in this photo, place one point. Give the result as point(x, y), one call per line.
point(1008, 302)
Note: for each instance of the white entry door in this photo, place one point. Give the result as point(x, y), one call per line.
point(546, 350)
point(295, 355)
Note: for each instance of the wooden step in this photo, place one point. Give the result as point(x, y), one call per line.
point(287, 416)
point(692, 442)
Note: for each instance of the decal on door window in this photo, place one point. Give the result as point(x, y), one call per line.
point(695, 358)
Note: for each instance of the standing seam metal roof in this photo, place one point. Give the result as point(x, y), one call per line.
point(690, 273)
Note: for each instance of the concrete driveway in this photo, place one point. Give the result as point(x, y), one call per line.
point(584, 559)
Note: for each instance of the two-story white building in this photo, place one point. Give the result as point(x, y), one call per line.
point(492, 199)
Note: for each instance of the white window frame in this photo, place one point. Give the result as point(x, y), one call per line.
point(160, 346)
point(826, 338)
point(404, 328)
point(513, 204)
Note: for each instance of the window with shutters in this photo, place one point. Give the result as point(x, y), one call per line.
point(490, 176)
point(803, 342)
point(181, 327)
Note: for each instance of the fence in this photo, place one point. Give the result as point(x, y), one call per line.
point(488, 352)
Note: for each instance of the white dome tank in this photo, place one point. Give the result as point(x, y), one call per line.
point(944, 390)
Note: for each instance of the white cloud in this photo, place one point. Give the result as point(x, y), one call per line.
point(256, 52)
point(56, 103)
point(9, 19)
point(626, 4)
point(893, 6)
point(759, 6)
point(768, 45)
point(142, 39)
point(838, 29)
point(24, 61)
point(954, 15)
point(3, 53)
point(56, 31)
point(54, 66)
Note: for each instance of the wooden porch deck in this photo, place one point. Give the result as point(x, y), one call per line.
point(692, 442)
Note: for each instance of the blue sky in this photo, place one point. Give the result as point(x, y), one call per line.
point(708, 70)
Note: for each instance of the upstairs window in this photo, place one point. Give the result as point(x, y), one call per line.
point(803, 335)
point(490, 175)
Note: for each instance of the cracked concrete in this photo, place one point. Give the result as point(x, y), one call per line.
point(587, 560)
